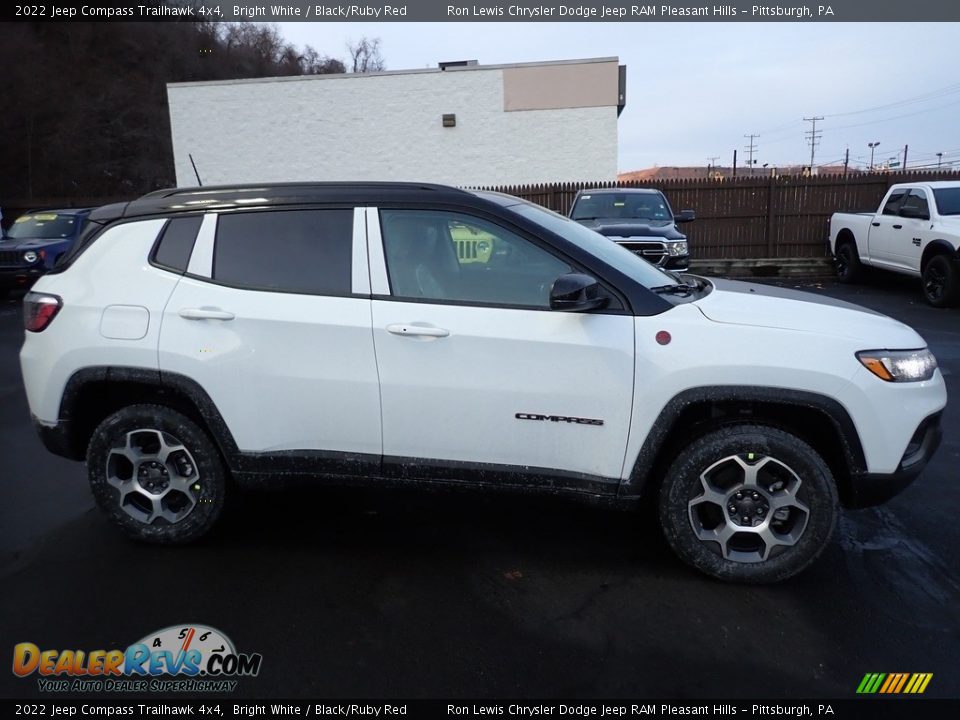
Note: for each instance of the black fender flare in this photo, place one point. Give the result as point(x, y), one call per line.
point(634, 485)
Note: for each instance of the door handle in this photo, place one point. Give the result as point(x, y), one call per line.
point(897, 227)
point(405, 329)
point(875, 224)
point(205, 314)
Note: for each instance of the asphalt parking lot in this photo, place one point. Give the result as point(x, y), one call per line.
point(356, 594)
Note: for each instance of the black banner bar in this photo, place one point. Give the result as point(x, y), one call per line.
point(490, 11)
point(872, 708)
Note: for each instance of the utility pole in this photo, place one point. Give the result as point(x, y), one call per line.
point(750, 150)
point(905, 148)
point(846, 162)
point(873, 147)
point(711, 161)
point(813, 137)
point(734, 163)
point(939, 159)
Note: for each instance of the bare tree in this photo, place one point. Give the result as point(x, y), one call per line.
point(365, 55)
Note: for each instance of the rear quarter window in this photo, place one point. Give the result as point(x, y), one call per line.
point(175, 244)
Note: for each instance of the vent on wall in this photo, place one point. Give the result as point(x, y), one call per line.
point(457, 63)
point(449, 120)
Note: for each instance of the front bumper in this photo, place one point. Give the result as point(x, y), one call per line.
point(869, 489)
point(21, 277)
point(676, 262)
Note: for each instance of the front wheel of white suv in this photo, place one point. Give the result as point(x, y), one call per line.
point(749, 503)
point(156, 475)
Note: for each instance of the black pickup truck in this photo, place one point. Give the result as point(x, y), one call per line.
point(640, 219)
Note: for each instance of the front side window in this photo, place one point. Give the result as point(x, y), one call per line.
point(892, 206)
point(297, 251)
point(449, 256)
point(916, 204)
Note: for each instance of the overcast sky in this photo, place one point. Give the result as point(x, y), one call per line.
point(695, 89)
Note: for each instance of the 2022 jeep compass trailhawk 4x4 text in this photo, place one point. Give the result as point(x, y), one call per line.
point(202, 337)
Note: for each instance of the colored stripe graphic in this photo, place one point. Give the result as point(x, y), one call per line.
point(894, 683)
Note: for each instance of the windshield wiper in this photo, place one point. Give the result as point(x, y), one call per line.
point(679, 289)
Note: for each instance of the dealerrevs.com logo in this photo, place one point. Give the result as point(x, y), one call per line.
point(179, 658)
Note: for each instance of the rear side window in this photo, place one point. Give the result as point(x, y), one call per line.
point(176, 243)
point(298, 251)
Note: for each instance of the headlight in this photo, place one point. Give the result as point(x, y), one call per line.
point(30, 256)
point(899, 365)
point(677, 248)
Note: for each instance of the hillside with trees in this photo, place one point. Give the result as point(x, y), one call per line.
point(85, 105)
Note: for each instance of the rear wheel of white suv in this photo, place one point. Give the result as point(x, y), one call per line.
point(749, 503)
point(156, 474)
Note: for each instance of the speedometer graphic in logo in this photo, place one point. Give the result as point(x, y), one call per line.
point(196, 644)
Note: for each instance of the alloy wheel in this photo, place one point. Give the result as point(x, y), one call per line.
point(156, 476)
point(747, 508)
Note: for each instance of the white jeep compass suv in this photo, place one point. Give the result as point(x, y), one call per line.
point(404, 333)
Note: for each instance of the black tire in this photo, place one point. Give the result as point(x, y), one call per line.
point(941, 286)
point(816, 491)
point(849, 267)
point(189, 458)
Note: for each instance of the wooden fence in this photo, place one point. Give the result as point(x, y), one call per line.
point(737, 218)
point(751, 217)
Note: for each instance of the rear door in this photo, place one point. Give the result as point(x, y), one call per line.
point(477, 375)
point(272, 320)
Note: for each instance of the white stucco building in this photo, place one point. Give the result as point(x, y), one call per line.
point(460, 124)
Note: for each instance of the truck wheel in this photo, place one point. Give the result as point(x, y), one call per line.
point(941, 286)
point(748, 503)
point(849, 268)
point(156, 475)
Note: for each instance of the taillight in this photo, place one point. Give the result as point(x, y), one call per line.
point(39, 310)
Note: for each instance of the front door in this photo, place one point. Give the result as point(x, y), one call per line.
point(477, 374)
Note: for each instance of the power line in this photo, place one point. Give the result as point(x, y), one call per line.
point(924, 97)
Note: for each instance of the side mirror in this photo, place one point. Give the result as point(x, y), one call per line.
point(913, 212)
point(685, 216)
point(576, 292)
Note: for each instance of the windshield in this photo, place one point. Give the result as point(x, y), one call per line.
point(43, 226)
point(625, 205)
point(948, 200)
point(597, 245)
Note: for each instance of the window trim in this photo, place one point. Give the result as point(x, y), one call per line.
point(617, 306)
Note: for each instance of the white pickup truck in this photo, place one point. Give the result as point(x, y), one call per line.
point(916, 231)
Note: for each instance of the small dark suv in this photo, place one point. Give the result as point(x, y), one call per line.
point(32, 245)
point(640, 219)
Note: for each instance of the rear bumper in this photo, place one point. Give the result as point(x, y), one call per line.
point(56, 438)
point(869, 489)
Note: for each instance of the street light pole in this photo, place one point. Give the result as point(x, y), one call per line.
point(939, 159)
point(872, 147)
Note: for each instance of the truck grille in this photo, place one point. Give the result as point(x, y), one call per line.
point(471, 250)
point(654, 252)
point(11, 258)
